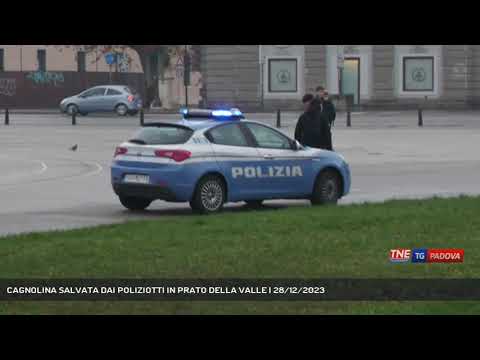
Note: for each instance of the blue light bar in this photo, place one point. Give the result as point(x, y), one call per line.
point(236, 112)
point(222, 113)
point(219, 114)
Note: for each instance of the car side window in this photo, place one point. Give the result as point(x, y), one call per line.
point(94, 92)
point(269, 138)
point(87, 93)
point(230, 135)
point(113, 92)
point(99, 92)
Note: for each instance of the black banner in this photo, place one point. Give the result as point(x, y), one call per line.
point(239, 289)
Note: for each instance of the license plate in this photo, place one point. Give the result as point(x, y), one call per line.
point(137, 179)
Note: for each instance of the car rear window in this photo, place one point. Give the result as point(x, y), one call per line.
point(113, 92)
point(162, 135)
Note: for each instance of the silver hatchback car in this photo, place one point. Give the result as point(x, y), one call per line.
point(108, 98)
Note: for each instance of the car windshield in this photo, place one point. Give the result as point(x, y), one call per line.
point(162, 135)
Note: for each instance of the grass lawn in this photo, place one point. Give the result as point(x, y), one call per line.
point(304, 242)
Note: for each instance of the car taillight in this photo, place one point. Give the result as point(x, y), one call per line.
point(131, 98)
point(120, 151)
point(177, 155)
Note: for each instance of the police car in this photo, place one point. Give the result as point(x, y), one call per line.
point(211, 157)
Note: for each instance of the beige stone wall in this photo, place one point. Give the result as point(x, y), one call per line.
point(59, 58)
point(172, 90)
point(63, 59)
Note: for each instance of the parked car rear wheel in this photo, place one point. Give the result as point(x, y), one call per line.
point(121, 110)
point(135, 204)
point(209, 195)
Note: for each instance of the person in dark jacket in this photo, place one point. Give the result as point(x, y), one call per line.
point(329, 108)
point(313, 129)
point(326, 105)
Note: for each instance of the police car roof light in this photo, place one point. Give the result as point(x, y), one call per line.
point(220, 114)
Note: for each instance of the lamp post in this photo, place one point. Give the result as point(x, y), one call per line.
point(340, 65)
point(186, 75)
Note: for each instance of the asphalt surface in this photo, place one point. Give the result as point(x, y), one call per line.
point(45, 186)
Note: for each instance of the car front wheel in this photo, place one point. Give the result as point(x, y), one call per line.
point(72, 109)
point(135, 204)
point(327, 188)
point(209, 195)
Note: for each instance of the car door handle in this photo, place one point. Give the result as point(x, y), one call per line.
point(268, 157)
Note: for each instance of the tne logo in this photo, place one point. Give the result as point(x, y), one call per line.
point(427, 255)
point(400, 255)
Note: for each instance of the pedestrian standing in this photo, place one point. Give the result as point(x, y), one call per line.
point(326, 105)
point(313, 129)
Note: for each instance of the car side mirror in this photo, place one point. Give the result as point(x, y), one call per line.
point(296, 146)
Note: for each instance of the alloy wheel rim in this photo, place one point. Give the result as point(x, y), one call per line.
point(122, 110)
point(212, 195)
point(329, 189)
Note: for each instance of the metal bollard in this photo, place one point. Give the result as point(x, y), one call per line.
point(279, 123)
point(74, 118)
point(349, 118)
point(7, 117)
point(142, 117)
point(420, 117)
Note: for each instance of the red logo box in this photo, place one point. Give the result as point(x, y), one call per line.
point(400, 255)
point(445, 255)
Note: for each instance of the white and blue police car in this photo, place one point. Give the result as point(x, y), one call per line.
point(211, 157)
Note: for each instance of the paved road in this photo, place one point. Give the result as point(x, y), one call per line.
point(43, 185)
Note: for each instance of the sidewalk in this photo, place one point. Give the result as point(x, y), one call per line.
point(376, 112)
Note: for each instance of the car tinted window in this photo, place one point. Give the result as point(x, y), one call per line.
point(99, 92)
point(87, 93)
point(163, 135)
point(129, 90)
point(111, 92)
point(228, 135)
point(269, 138)
point(94, 92)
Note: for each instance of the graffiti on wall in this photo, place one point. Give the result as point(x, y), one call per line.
point(8, 87)
point(46, 78)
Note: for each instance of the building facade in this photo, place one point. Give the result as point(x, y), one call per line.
point(268, 77)
point(39, 76)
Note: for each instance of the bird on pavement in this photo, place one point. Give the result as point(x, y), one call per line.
point(74, 148)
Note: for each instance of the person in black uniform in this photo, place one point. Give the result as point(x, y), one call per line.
point(326, 104)
point(313, 128)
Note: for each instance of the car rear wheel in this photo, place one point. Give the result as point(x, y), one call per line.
point(135, 204)
point(72, 109)
point(121, 110)
point(254, 204)
point(327, 188)
point(209, 195)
